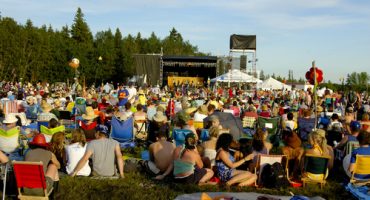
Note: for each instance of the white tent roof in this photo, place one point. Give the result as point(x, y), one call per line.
point(273, 84)
point(237, 76)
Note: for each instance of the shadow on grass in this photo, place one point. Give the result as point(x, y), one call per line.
point(138, 186)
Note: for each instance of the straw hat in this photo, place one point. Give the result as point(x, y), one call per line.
point(203, 110)
point(319, 109)
point(190, 110)
point(90, 114)
point(159, 117)
point(10, 118)
point(140, 92)
point(46, 107)
point(57, 103)
point(39, 140)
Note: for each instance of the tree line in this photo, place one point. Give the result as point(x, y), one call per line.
point(31, 53)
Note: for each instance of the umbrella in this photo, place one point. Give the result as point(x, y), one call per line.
point(228, 121)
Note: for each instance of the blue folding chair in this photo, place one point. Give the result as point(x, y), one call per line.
point(204, 135)
point(43, 123)
point(123, 132)
point(179, 136)
point(305, 126)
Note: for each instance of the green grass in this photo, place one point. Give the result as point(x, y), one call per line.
point(138, 186)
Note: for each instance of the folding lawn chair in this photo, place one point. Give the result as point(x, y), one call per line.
point(3, 173)
point(361, 172)
point(88, 129)
point(64, 114)
point(9, 139)
point(316, 166)
point(123, 132)
point(42, 123)
point(179, 135)
point(270, 124)
point(48, 133)
point(263, 160)
point(30, 175)
point(305, 126)
point(204, 135)
point(249, 125)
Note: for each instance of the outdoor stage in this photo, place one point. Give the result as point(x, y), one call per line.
point(175, 70)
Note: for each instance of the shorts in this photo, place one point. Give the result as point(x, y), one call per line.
point(40, 191)
point(194, 178)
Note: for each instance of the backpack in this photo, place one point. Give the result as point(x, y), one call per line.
point(274, 176)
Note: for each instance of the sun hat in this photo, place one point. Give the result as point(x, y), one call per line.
point(159, 117)
point(10, 118)
point(319, 109)
point(203, 110)
point(57, 103)
point(46, 107)
point(90, 114)
point(39, 140)
point(140, 92)
point(190, 110)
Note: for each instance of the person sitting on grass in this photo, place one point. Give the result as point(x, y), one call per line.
point(355, 127)
point(75, 151)
point(160, 154)
point(56, 146)
point(226, 166)
point(103, 150)
point(50, 162)
point(188, 165)
point(209, 146)
point(319, 146)
point(292, 148)
point(364, 149)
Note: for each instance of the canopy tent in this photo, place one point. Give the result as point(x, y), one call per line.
point(273, 84)
point(235, 76)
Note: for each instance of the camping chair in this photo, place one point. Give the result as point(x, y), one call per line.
point(179, 135)
point(65, 114)
point(9, 139)
point(317, 166)
point(305, 126)
point(198, 124)
point(89, 130)
point(263, 160)
point(30, 175)
point(48, 133)
point(123, 132)
point(204, 135)
point(350, 146)
point(270, 124)
point(42, 123)
point(3, 173)
point(361, 172)
point(249, 125)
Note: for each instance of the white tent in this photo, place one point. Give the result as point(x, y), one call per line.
point(273, 84)
point(235, 76)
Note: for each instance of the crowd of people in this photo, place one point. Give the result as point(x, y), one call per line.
point(157, 112)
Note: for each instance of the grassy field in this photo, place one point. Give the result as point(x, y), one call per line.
point(138, 186)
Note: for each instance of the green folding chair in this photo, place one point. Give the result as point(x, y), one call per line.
point(316, 166)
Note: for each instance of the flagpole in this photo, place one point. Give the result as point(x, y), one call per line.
point(314, 92)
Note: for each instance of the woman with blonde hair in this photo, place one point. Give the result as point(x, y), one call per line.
point(75, 151)
point(319, 146)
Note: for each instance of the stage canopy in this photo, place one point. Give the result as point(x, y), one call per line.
point(236, 76)
point(273, 84)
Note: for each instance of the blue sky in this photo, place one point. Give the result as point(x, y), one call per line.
point(290, 33)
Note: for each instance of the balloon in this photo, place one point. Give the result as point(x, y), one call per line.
point(75, 63)
point(310, 75)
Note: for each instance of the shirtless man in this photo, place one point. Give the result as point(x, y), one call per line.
point(160, 154)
